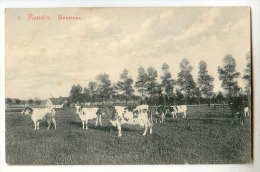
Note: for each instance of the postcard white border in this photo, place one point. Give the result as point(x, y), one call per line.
point(255, 7)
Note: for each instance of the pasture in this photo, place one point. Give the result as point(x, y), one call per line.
point(206, 137)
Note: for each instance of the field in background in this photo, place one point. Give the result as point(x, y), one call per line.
point(205, 136)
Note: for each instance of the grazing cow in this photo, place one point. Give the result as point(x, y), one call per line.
point(86, 114)
point(178, 109)
point(37, 115)
point(159, 114)
point(246, 111)
point(119, 115)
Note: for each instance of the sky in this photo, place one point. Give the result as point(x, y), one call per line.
point(46, 57)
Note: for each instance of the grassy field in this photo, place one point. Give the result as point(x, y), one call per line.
point(205, 136)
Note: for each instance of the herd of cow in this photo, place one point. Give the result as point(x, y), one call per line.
point(141, 115)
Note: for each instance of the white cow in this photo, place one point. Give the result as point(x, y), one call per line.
point(246, 111)
point(86, 114)
point(120, 115)
point(37, 115)
point(178, 109)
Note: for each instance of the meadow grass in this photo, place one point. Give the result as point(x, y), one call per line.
point(205, 137)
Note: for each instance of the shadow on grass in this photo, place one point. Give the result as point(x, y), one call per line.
point(77, 124)
point(101, 128)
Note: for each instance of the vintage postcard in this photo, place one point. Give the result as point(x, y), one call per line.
point(128, 86)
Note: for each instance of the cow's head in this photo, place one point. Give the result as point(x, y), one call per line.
point(110, 111)
point(27, 111)
point(102, 110)
point(142, 108)
point(174, 108)
point(78, 109)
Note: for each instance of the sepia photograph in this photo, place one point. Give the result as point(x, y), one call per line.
point(128, 86)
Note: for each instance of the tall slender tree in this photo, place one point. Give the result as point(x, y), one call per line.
point(125, 85)
point(185, 79)
point(151, 84)
point(229, 75)
point(141, 81)
point(247, 77)
point(205, 81)
point(167, 82)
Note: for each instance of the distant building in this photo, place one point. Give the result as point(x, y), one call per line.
point(56, 102)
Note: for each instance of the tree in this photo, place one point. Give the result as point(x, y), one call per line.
point(104, 88)
point(37, 101)
point(86, 94)
point(167, 81)
point(205, 80)
point(17, 101)
point(185, 79)
point(197, 94)
point(23, 102)
point(247, 77)
point(75, 93)
point(179, 95)
point(141, 80)
point(30, 101)
point(92, 87)
point(220, 97)
point(8, 101)
point(228, 75)
point(151, 84)
point(125, 85)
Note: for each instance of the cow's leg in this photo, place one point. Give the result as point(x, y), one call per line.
point(35, 125)
point(151, 127)
point(119, 128)
point(49, 124)
point(100, 121)
point(38, 125)
point(174, 115)
point(96, 121)
point(145, 128)
point(163, 117)
point(54, 122)
point(86, 124)
point(184, 114)
point(83, 124)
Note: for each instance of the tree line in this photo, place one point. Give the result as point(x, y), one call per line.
point(182, 90)
point(16, 101)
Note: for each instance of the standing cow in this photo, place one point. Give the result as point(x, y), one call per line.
point(37, 115)
point(173, 110)
point(86, 114)
point(159, 114)
point(119, 115)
